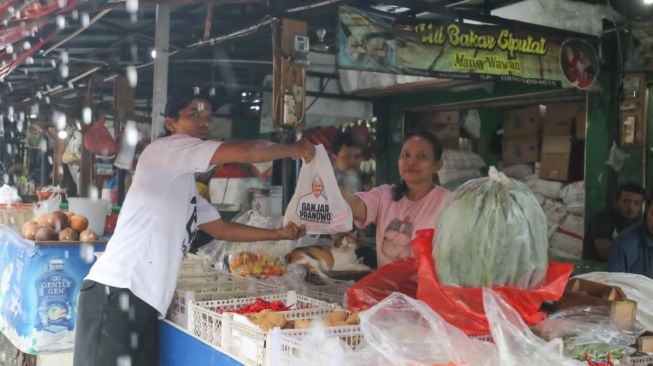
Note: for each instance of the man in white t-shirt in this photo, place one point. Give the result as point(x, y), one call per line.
point(314, 206)
point(132, 283)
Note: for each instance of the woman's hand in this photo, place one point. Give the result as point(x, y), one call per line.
point(291, 232)
point(302, 149)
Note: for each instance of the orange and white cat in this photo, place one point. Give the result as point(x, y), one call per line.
point(340, 256)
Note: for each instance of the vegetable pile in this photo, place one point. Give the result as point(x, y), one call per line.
point(492, 233)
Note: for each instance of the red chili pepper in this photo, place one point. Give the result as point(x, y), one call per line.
point(258, 306)
point(592, 363)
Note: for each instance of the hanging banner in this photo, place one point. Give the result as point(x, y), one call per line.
point(373, 42)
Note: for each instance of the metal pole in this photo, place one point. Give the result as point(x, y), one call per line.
point(162, 49)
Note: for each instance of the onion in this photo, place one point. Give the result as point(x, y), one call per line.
point(68, 234)
point(58, 221)
point(78, 223)
point(29, 230)
point(46, 234)
point(88, 235)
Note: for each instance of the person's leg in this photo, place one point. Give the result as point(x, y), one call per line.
point(88, 327)
point(124, 330)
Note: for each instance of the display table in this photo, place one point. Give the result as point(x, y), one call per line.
point(179, 348)
point(39, 285)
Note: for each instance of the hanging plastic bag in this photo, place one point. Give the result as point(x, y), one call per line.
point(407, 332)
point(73, 152)
point(493, 232)
point(516, 344)
point(98, 140)
point(317, 202)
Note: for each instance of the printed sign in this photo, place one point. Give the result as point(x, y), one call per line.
point(373, 42)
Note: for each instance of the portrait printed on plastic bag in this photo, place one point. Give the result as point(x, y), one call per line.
point(314, 206)
point(317, 202)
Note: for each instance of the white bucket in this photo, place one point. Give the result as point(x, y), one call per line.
point(95, 210)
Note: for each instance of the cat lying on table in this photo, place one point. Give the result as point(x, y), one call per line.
point(340, 256)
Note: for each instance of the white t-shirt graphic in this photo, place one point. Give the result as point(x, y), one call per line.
point(158, 220)
point(314, 209)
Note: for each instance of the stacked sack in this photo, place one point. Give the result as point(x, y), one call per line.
point(458, 167)
point(563, 207)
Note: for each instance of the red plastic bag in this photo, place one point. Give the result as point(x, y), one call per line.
point(461, 307)
point(399, 276)
point(98, 140)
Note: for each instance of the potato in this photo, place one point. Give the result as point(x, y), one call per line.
point(353, 319)
point(338, 315)
point(302, 324)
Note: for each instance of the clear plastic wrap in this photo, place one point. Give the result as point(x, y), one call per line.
point(636, 287)
point(492, 233)
point(257, 259)
point(407, 332)
point(589, 330)
point(516, 344)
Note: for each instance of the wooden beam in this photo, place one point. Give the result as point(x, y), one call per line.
point(207, 23)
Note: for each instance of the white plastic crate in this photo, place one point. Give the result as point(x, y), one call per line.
point(247, 342)
point(225, 288)
point(639, 361)
point(289, 348)
point(332, 293)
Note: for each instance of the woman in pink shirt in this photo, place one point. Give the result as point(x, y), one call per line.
point(400, 210)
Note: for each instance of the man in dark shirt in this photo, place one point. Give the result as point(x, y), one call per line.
point(606, 225)
point(632, 251)
point(346, 156)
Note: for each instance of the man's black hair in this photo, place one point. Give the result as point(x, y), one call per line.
point(349, 139)
point(181, 97)
point(632, 188)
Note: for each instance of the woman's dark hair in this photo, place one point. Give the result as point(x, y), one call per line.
point(399, 190)
point(180, 98)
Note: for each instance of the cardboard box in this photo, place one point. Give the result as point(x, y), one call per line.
point(579, 292)
point(645, 342)
point(431, 117)
point(556, 153)
point(521, 122)
point(564, 119)
point(518, 150)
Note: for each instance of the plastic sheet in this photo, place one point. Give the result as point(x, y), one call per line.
point(407, 332)
point(399, 276)
point(515, 342)
point(589, 330)
point(492, 233)
point(636, 287)
point(461, 307)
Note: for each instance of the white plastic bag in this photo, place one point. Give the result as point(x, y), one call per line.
point(73, 152)
point(9, 195)
point(408, 332)
point(317, 202)
point(516, 344)
point(491, 233)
